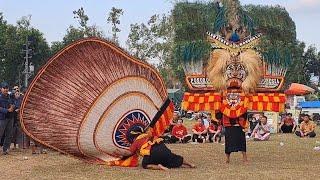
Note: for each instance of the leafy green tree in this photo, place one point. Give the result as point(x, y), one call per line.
point(12, 43)
point(298, 69)
point(82, 18)
point(75, 33)
point(55, 47)
point(154, 42)
point(114, 19)
point(3, 28)
point(313, 60)
point(84, 30)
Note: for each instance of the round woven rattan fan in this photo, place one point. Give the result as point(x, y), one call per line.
point(86, 99)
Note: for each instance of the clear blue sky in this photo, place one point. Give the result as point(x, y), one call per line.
point(53, 17)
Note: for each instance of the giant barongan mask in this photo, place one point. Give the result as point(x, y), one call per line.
point(234, 67)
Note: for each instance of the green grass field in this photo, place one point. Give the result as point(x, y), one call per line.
point(296, 159)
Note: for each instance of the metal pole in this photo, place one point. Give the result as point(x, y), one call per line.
point(26, 77)
point(26, 64)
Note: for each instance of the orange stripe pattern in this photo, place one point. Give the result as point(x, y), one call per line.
point(132, 161)
point(217, 101)
point(164, 121)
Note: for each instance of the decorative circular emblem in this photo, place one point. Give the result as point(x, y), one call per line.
point(233, 99)
point(134, 118)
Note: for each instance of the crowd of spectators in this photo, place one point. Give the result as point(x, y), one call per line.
point(10, 127)
point(205, 129)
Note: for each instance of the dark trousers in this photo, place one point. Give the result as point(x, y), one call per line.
point(2, 140)
point(6, 128)
point(17, 134)
point(310, 134)
point(287, 129)
point(185, 139)
point(218, 136)
point(199, 138)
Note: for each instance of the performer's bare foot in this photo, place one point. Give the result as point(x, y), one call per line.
point(188, 164)
point(244, 157)
point(162, 167)
point(157, 167)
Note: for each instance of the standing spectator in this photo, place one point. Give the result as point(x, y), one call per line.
point(262, 130)
point(199, 132)
point(288, 124)
point(6, 118)
point(307, 127)
point(214, 131)
point(17, 132)
point(180, 133)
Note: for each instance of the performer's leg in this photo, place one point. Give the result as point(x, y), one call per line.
point(244, 157)
point(228, 158)
point(187, 164)
point(156, 167)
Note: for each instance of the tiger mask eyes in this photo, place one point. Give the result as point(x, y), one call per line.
point(242, 70)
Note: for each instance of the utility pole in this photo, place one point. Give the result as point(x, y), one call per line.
point(28, 67)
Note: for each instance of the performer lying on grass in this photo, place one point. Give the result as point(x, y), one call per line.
point(154, 152)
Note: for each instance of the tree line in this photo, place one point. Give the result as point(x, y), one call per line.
point(152, 41)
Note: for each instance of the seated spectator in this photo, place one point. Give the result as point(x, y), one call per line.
point(206, 118)
point(262, 130)
point(307, 127)
point(199, 132)
point(167, 133)
point(288, 124)
point(176, 116)
point(180, 133)
point(214, 131)
point(252, 123)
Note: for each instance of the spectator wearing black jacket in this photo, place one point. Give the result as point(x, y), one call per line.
point(6, 117)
